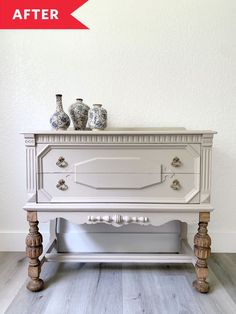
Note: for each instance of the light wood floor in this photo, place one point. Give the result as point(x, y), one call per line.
point(117, 289)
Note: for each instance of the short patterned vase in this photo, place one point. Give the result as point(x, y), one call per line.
point(59, 120)
point(79, 114)
point(97, 118)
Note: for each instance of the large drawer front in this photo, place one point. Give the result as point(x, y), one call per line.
point(54, 159)
point(154, 174)
point(140, 188)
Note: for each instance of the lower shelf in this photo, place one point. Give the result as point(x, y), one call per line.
point(184, 256)
point(119, 258)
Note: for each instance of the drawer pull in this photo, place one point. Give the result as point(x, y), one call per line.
point(61, 162)
point(175, 185)
point(176, 162)
point(61, 185)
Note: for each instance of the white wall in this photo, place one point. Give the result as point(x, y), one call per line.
point(152, 63)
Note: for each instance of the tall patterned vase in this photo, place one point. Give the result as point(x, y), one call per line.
point(79, 114)
point(59, 120)
point(97, 119)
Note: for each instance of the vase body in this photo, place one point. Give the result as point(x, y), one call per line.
point(97, 118)
point(79, 114)
point(59, 120)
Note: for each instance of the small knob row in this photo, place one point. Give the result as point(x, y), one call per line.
point(61, 185)
point(62, 163)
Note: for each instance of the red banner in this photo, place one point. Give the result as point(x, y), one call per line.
point(40, 14)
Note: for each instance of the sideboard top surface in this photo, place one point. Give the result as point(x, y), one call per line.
point(163, 130)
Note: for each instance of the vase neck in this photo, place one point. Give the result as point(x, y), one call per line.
point(59, 106)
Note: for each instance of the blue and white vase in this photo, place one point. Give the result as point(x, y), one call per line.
point(59, 120)
point(97, 118)
point(79, 114)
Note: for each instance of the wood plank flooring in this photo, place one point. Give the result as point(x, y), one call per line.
point(117, 288)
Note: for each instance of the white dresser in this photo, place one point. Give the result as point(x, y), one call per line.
point(119, 177)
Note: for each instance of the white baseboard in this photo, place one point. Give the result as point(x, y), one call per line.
point(221, 242)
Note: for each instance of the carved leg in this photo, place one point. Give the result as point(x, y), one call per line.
point(34, 249)
point(202, 250)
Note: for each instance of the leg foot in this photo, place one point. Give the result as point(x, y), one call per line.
point(201, 286)
point(34, 249)
point(202, 250)
point(35, 285)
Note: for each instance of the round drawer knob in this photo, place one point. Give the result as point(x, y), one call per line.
point(176, 162)
point(176, 185)
point(61, 185)
point(61, 162)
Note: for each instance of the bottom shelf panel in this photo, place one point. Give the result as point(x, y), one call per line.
point(119, 258)
point(184, 256)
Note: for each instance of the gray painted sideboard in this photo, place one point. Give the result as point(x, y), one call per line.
point(119, 177)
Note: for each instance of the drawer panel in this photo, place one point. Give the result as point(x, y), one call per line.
point(117, 187)
point(155, 159)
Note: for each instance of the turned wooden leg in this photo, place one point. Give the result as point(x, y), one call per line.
point(202, 250)
point(34, 249)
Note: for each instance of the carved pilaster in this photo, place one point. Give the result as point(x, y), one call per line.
point(30, 167)
point(202, 250)
point(34, 249)
point(206, 159)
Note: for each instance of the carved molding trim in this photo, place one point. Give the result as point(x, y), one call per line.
point(118, 220)
point(207, 140)
point(30, 140)
point(154, 219)
point(118, 139)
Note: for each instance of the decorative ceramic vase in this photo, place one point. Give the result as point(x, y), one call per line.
point(59, 120)
point(97, 118)
point(79, 114)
